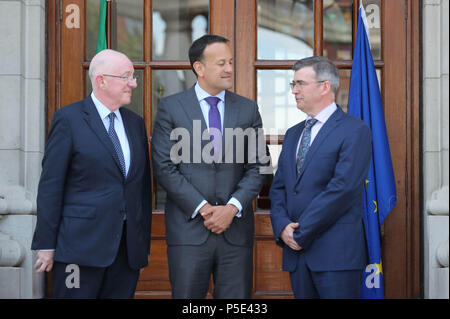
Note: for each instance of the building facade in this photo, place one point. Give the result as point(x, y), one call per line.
point(45, 49)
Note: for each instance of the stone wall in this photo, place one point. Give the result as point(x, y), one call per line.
point(435, 148)
point(22, 138)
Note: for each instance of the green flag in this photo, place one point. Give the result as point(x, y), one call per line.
point(101, 35)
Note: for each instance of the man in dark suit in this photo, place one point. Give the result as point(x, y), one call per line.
point(94, 196)
point(317, 191)
point(208, 213)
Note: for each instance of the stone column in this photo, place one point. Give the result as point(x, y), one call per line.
point(435, 148)
point(22, 138)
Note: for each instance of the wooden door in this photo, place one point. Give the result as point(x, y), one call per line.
point(267, 36)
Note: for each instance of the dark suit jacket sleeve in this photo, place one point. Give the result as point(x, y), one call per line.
point(166, 172)
point(339, 195)
point(278, 212)
point(147, 197)
point(250, 184)
point(51, 185)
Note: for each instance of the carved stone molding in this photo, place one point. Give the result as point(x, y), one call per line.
point(438, 203)
point(442, 254)
point(14, 201)
point(12, 253)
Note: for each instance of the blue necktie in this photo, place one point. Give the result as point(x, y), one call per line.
point(215, 122)
point(304, 143)
point(115, 140)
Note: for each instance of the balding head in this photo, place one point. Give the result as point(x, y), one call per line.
point(104, 62)
point(112, 78)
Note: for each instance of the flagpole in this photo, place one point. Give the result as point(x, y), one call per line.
point(108, 23)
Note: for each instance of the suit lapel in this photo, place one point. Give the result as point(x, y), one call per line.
point(326, 129)
point(231, 111)
point(231, 114)
point(292, 156)
point(95, 122)
point(193, 111)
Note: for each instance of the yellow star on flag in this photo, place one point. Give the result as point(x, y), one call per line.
point(379, 268)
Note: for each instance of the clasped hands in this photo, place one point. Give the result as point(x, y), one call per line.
point(287, 235)
point(218, 218)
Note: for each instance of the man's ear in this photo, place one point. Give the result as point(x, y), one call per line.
point(326, 88)
point(100, 80)
point(199, 68)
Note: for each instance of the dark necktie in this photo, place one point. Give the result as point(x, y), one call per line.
point(304, 143)
point(115, 140)
point(215, 122)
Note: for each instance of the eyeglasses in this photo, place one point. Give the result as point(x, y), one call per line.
point(301, 84)
point(127, 78)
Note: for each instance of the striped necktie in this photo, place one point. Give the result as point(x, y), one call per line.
point(115, 140)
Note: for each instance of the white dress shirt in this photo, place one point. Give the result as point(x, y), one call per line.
point(321, 118)
point(201, 95)
point(104, 112)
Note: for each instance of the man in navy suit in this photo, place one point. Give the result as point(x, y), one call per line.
point(317, 191)
point(94, 196)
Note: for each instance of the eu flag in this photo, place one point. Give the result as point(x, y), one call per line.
point(380, 194)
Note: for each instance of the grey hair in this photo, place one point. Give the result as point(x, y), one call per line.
point(325, 70)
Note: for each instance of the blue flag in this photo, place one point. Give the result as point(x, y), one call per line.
point(380, 193)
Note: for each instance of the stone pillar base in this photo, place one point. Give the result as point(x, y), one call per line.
point(12, 281)
point(21, 281)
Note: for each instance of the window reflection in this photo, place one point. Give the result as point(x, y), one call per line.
point(344, 85)
point(92, 9)
point(127, 27)
point(342, 97)
point(373, 14)
point(285, 29)
point(168, 82)
point(176, 24)
point(199, 26)
point(276, 103)
point(337, 29)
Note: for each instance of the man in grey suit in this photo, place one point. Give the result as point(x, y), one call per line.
point(208, 213)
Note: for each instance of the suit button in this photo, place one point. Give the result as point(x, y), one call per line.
point(295, 193)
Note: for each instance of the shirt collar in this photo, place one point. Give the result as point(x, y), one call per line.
point(325, 114)
point(202, 94)
point(102, 110)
